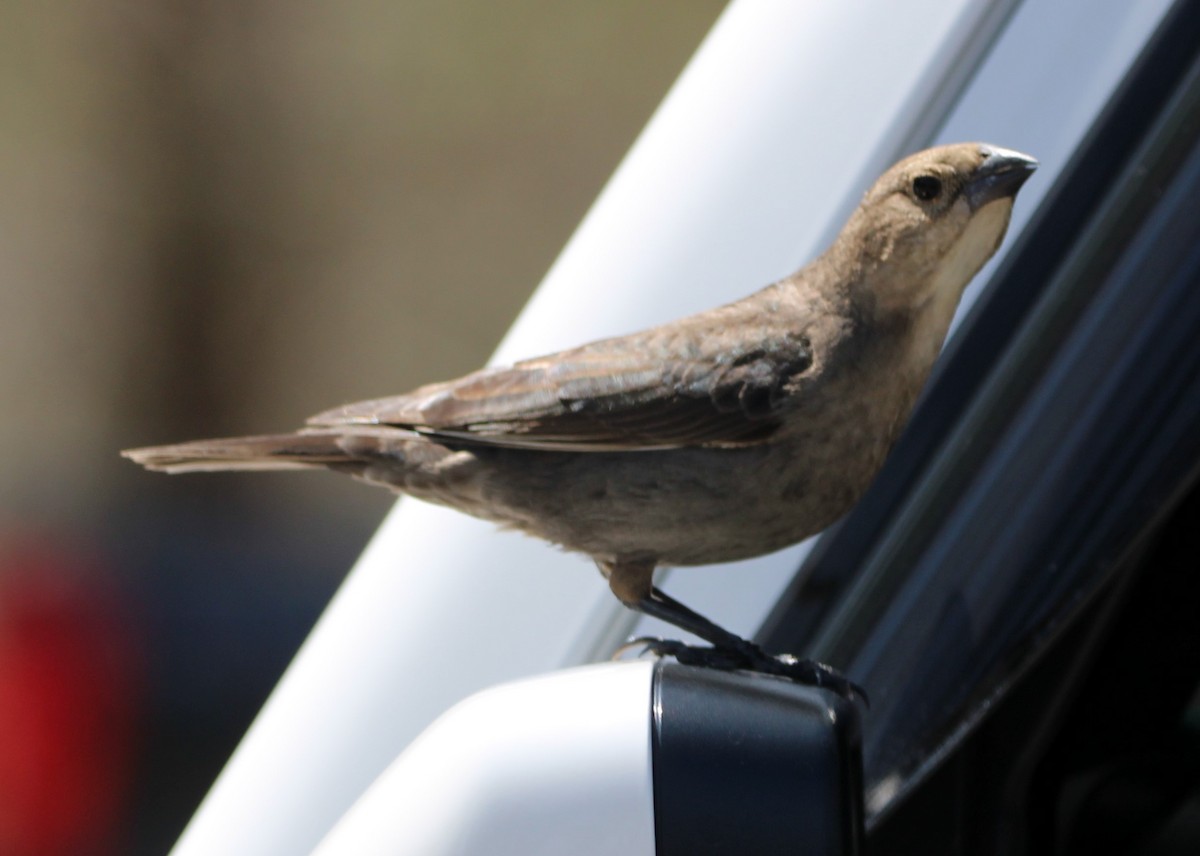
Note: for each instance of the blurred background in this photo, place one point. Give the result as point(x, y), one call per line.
point(219, 217)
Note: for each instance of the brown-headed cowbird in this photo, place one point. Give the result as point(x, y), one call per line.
point(723, 435)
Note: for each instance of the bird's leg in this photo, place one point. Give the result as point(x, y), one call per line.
point(658, 604)
point(731, 651)
point(631, 582)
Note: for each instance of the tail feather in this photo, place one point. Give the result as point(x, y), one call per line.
point(264, 452)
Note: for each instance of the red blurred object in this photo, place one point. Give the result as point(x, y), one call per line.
point(69, 691)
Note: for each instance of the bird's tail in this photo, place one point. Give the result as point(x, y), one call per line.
point(265, 452)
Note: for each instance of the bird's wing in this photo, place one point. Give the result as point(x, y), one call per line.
point(662, 388)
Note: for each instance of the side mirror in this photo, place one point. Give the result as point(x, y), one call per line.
point(642, 759)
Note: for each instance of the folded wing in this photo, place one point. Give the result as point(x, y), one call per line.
point(658, 389)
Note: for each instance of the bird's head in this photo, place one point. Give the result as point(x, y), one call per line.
point(930, 222)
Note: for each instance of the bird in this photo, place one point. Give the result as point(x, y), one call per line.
point(723, 435)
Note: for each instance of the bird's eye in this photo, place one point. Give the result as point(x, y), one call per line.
point(926, 187)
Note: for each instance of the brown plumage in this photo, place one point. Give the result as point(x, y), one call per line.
point(722, 435)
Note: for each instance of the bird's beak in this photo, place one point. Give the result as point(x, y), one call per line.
point(1001, 175)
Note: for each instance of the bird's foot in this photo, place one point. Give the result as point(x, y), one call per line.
point(750, 657)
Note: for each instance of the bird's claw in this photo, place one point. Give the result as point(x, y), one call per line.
point(750, 657)
point(726, 659)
